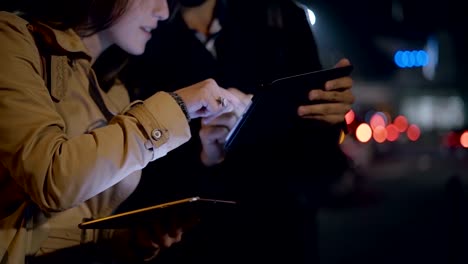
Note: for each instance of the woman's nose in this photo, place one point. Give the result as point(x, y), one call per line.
point(161, 9)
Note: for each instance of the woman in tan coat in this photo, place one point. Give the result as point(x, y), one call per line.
point(68, 150)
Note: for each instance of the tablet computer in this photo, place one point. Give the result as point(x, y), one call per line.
point(273, 110)
point(148, 214)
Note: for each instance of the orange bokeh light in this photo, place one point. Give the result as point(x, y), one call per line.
point(380, 134)
point(363, 133)
point(464, 139)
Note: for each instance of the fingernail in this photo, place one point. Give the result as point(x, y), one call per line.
point(299, 111)
point(313, 94)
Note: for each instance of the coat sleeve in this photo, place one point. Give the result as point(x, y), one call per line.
point(58, 171)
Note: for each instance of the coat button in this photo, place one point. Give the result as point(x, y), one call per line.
point(156, 134)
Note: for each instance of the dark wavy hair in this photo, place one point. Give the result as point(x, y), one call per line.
point(85, 16)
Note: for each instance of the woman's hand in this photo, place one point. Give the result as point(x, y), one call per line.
point(334, 100)
point(206, 99)
point(161, 234)
point(149, 240)
point(213, 131)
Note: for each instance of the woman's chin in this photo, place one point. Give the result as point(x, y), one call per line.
point(136, 51)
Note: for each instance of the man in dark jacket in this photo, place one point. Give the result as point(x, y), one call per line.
point(243, 44)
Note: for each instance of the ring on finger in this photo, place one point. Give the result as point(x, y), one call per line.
point(221, 101)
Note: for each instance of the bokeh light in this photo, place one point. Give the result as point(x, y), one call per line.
point(392, 133)
point(363, 133)
point(380, 134)
point(350, 116)
point(378, 119)
point(464, 139)
point(413, 132)
point(401, 123)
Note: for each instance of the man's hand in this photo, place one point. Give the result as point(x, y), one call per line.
point(335, 99)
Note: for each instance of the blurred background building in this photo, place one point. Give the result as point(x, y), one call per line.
point(410, 65)
point(408, 130)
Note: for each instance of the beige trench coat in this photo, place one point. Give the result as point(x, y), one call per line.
point(60, 160)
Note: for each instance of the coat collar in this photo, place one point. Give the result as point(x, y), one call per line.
point(63, 42)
